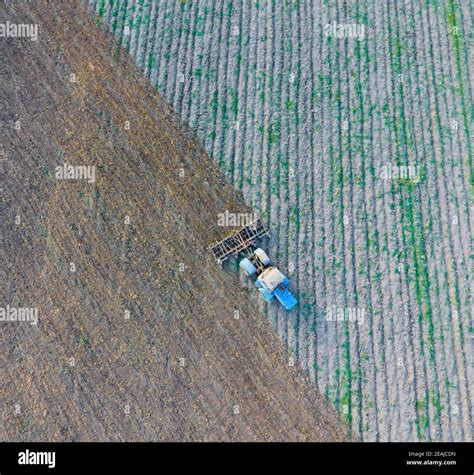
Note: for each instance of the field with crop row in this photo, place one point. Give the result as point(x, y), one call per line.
point(313, 128)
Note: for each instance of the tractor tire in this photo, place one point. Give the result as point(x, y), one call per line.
point(247, 266)
point(262, 256)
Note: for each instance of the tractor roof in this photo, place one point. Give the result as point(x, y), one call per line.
point(272, 278)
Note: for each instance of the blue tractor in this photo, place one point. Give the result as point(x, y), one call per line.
point(270, 282)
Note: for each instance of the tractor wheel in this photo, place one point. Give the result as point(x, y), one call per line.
point(262, 256)
point(247, 266)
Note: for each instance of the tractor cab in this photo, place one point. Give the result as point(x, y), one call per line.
point(271, 278)
point(272, 283)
